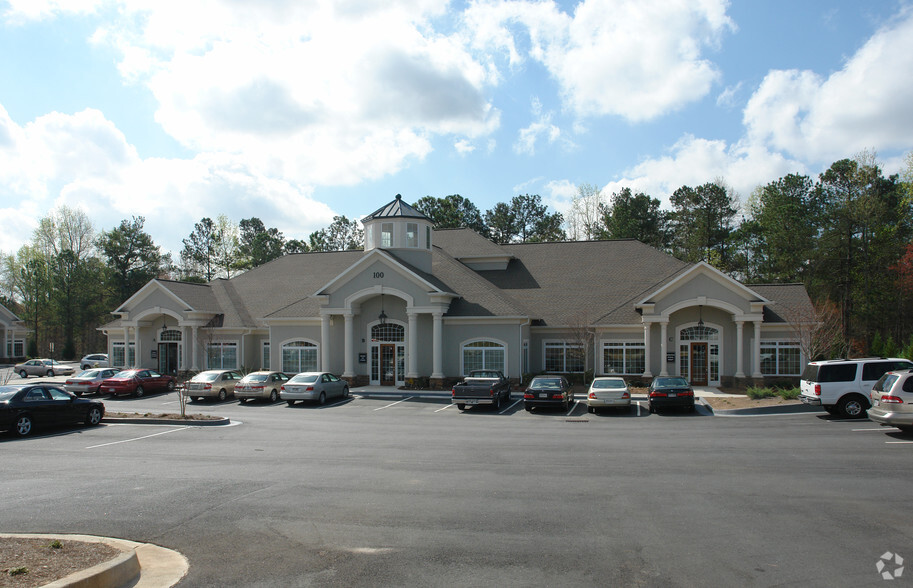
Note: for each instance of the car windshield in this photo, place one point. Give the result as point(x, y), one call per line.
point(89, 374)
point(481, 374)
point(125, 374)
point(304, 379)
point(546, 383)
point(206, 377)
point(670, 382)
point(256, 377)
point(49, 362)
point(608, 384)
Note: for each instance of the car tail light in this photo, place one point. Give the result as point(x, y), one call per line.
point(817, 389)
point(559, 396)
point(887, 399)
point(309, 389)
point(657, 394)
point(69, 382)
point(256, 387)
point(453, 392)
point(528, 396)
point(626, 395)
point(282, 388)
point(686, 393)
point(592, 395)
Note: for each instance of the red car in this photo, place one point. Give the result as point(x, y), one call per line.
point(137, 382)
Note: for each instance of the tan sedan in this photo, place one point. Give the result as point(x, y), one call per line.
point(266, 385)
point(43, 367)
point(212, 384)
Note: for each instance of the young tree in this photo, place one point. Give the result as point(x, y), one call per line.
point(132, 256)
point(199, 255)
point(583, 219)
point(227, 250)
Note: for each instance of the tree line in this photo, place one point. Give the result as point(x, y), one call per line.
point(847, 235)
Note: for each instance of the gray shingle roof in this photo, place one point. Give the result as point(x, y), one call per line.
point(790, 303)
point(463, 243)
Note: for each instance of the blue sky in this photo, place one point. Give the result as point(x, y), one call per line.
point(296, 110)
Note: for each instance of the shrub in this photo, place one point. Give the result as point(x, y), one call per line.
point(788, 393)
point(756, 393)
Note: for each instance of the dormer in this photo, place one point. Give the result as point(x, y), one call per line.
point(401, 230)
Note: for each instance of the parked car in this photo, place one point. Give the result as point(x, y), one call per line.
point(608, 392)
point(670, 392)
point(137, 382)
point(88, 382)
point(42, 367)
point(481, 387)
point(842, 386)
point(266, 385)
point(548, 391)
point(319, 386)
point(25, 406)
point(94, 360)
point(892, 400)
point(212, 384)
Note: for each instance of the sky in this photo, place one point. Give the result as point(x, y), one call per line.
point(294, 111)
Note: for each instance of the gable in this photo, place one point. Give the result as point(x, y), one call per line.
point(703, 282)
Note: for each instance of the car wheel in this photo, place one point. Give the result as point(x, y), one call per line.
point(94, 416)
point(222, 394)
point(528, 408)
point(853, 407)
point(591, 410)
point(273, 396)
point(170, 385)
point(692, 408)
point(78, 393)
point(50, 373)
point(345, 392)
point(85, 367)
point(291, 402)
point(651, 408)
point(461, 406)
point(322, 399)
point(497, 403)
point(139, 392)
point(242, 400)
point(23, 374)
point(23, 425)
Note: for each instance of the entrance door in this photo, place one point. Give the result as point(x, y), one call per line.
point(698, 364)
point(168, 358)
point(388, 365)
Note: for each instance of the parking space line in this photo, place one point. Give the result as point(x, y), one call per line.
point(137, 438)
point(898, 442)
point(511, 406)
point(445, 408)
point(394, 404)
point(573, 408)
point(878, 429)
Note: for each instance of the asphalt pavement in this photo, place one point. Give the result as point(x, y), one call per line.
point(409, 491)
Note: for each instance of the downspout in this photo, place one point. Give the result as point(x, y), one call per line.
point(528, 322)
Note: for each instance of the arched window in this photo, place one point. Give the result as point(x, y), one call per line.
point(483, 355)
point(700, 333)
point(299, 356)
point(390, 332)
point(170, 335)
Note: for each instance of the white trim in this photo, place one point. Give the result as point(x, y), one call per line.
point(702, 267)
point(282, 345)
point(223, 342)
point(400, 378)
point(566, 343)
point(503, 344)
point(718, 342)
point(368, 258)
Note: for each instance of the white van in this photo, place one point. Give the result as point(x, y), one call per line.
point(842, 386)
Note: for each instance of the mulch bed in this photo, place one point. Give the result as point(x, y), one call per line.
point(29, 562)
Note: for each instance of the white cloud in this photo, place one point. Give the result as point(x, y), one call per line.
point(638, 59)
point(84, 161)
point(864, 105)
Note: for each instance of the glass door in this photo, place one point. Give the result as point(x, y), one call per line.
point(388, 365)
point(699, 364)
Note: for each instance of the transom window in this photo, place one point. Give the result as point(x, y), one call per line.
point(391, 332)
point(299, 356)
point(170, 335)
point(483, 355)
point(700, 333)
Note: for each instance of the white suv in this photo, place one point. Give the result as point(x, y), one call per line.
point(842, 386)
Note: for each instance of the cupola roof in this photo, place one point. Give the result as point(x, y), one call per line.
point(395, 209)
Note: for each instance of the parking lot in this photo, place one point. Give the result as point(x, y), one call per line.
point(384, 490)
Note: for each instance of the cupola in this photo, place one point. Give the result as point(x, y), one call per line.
point(402, 230)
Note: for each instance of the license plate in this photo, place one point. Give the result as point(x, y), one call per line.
point(473, 401)
point(672, 394)
point(544, 395)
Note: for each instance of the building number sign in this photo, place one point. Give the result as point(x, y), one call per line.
point(378, 275)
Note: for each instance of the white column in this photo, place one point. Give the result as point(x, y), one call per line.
point(663, 348)
point(127, 348)
point(349, 346)
point(756, 351)
point(647, 372)
point(739, 349)
point(184, 341)
point(324, 343)
point(3, 346)
point(598, 364)
point(195, 348)
point(138, 346)
point(437, 367)
point(412, 369)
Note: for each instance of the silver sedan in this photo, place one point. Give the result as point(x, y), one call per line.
point(42, 367)
point(88, 382)
point(316, 386)
point(608, 392)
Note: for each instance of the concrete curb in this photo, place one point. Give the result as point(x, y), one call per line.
point(157, 421)
point(788, 409)
point(140, 565)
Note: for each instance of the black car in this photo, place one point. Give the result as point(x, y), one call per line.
point(548, 391)
point(22, 407)
point(670, 392)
